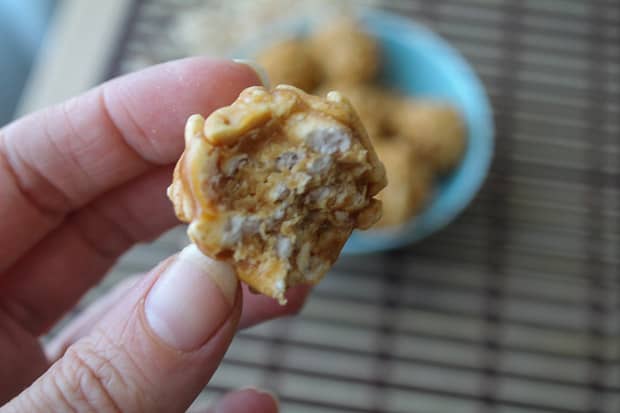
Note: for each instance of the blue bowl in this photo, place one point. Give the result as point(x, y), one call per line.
point(419, 63)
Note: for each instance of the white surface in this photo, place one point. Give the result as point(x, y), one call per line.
point(76, 52)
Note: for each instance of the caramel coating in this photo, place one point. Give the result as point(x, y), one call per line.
point(435, 129)
point(345, 52)
point(275, 183)
point(410, 182)
point(290, 62)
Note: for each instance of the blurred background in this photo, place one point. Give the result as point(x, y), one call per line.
point(23, 25)
point(514, 307)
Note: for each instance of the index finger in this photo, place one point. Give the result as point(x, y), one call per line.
point(59, 159)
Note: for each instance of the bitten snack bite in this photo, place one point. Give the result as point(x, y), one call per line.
point(275, 183)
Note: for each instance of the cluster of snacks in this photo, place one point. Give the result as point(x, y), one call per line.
point(340, 53)
point(418, 140)
point(275, 183)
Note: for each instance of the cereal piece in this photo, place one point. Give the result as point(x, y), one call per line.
point(436, 130)
point(410, 182)
point(345, 52)
point(289, 62)
point(275, 183)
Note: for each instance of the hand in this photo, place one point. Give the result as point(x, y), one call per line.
point(79, 184)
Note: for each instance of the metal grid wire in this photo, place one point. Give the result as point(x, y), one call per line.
point(515, 307)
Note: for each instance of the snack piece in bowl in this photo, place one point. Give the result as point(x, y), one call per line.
point(275, 183)
point(410, 181)
point(345, 52)
point(290, 62)
point(436, 130)
point(373, 104)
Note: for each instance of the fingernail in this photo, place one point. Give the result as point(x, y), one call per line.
point(258, 69)
point(240, 401)
point(191, 299)
point(264, 392)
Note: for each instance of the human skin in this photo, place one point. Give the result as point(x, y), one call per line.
point(80, 183)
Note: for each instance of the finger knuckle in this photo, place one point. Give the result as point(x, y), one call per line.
point(90, 380)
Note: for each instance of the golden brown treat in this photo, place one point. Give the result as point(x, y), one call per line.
point(345, 52)
point(410, 182)
point(436, 130)
point(275, 183)
point(290, 62)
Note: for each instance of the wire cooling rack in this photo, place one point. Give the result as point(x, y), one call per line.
point(513, 308)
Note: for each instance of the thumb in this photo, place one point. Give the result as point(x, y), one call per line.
point(155, 351)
